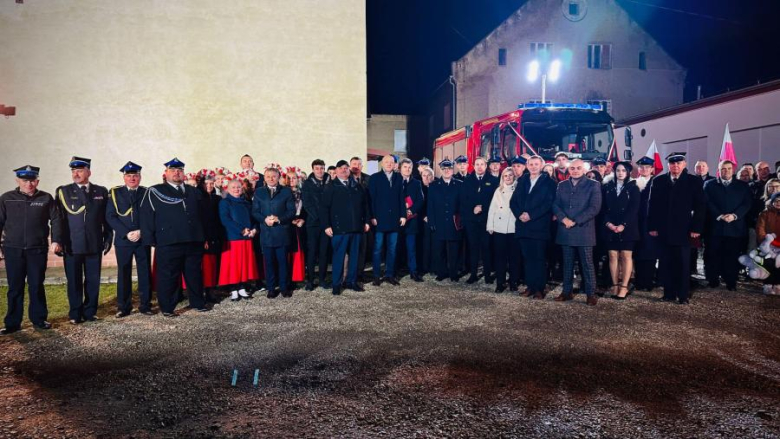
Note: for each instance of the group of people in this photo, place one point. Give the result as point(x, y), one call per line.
point(247, 231)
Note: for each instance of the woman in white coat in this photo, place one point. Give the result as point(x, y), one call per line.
point(501, 226)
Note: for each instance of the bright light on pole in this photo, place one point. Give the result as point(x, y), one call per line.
point(553, 71)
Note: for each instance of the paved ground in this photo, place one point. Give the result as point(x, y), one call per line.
point(420, 360)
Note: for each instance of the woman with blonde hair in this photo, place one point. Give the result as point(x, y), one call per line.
point(239, 266)
point(501, 226)
point(296, 257)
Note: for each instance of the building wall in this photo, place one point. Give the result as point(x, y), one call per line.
point(206, 81)
point(381, 133)
point(486, 89)
point(754, 123)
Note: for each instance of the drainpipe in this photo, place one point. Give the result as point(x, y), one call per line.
point(454, 102)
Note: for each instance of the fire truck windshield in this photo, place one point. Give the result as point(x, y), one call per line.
point(584, 134)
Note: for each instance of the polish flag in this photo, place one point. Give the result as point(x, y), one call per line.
point(653, 153)
point(727, 150)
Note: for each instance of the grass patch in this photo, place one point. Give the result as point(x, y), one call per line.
point(57, 302)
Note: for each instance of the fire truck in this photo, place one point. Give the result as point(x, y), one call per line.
point(582, 130)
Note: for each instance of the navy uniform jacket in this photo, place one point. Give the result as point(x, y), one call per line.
point(386, 202)
point(344, 208)
point(674, 211)
point(736, 199)
point(25, 220)
point(311, 195)
point(478, 192)
point(648, 246)
point(85, 231)
point(444, 206)
point(282, 205)
point(538, 203)
point(414, 191)
point(123, 213)
point(460, 177)
point(169, 218)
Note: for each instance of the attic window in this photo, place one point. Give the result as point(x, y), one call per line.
point(574, 9)
point(502, 57)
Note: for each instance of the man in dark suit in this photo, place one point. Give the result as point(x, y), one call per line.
point(123, 215)
point(344, 216)
point(676, 215)
point(702, 170)
point(367, 240)
point(477, 192)
point(171, 222)
point(577, 202)
point(388, 215)
point(27, 215)
point(414, 203)
point(317, 242)
point(729, 201)
point(647, 251)
point(462, 168)
point(86, 238)
point(531, 204)
point(444, 219)
point(274, 209)
point(425, 260)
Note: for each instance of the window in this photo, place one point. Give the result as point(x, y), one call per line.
point(538, 48)
point(574, 9)
point(599, 56)
point(606, 104)
point(502, 57)
point(399, 141)
point(509, 143)
point(485, 146)
point(642, 61)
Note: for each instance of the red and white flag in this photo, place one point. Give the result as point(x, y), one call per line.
point(727, 150)
point(653, 153)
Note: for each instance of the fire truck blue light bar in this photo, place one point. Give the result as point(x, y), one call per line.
point(550, 106)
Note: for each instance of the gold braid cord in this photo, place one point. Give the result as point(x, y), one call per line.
point(113, 198)
point(68, 209)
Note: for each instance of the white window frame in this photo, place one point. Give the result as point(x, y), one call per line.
point(602, 64)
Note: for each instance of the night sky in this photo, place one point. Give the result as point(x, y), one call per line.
point(724, 44)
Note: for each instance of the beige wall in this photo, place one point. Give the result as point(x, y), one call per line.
point(381, 132)
point(207, 81)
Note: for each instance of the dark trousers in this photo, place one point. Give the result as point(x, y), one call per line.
point(505, 254)
point(534, 261)
point(173, 261)
point(30, 266)
point(343, 245)
point(410, 242)
point(317, 250)
point(275, 259)
point(448, 265)
point(479, 248)
point(586, 264)
point(366, 240)
point(379, 240)
point(675, 266)
point(83, 273)
point(724, 262)
point(644, 273)
point(426, 256)
point(124, 282)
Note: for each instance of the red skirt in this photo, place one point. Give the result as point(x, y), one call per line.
point(296, 259)
point(238, 263)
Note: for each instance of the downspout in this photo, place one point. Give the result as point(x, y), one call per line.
point(454, 102)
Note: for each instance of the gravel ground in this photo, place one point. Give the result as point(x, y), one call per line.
point(420, 360)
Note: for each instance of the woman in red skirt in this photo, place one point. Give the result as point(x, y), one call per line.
point(238, 266)
point(296, 258)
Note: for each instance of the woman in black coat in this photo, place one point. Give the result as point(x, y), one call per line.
point(620, 225)
point(213, 231)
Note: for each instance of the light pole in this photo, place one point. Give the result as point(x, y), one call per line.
point(553, 70)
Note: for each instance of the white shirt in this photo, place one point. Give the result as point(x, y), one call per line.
point(177, 186)
point(533, 183)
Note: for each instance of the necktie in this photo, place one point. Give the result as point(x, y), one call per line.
point(132, 196)
point(84, 189)
point(180, 188)
point(726, 183)
point(273, 191)
point(674, 180)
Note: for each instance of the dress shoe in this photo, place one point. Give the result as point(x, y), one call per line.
point(500, 288)
point(336, 291)
point(376, 282)
point(203, 309)
point(440, 278)
point(527, 293)
point(169, 314)
point(683, 302)
point(287, 293)
point(91, 319)
point(592, 300)
point(74, 321)
point(417, 278)
point(564, 297)
point(309, 286)
point(392, 281)
point(121, 314)
point(489, 280)
point(147, 312)
point(538, 295)
point(472, 279)
point(667, 299)
point(272, 294)
point(42, 325)
point(9, 331)
point(356, 287)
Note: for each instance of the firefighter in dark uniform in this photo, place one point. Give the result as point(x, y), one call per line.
point(462, 168)
point(171, 223)
point(676, 215)
point(123, 215)
point(421, 164)
point(477, 190)
point(86, 238)
point(444, 220)
point(25, 217)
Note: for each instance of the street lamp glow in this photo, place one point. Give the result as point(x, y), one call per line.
point(533, 71)
point(555, 70)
